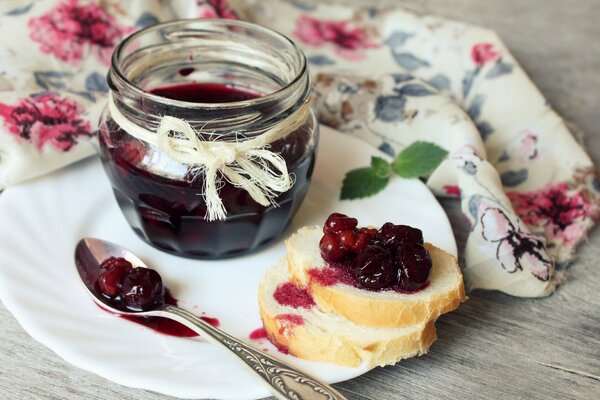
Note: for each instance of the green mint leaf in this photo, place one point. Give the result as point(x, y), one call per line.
point(381, 167)
point(363, 182)
point(418, 159)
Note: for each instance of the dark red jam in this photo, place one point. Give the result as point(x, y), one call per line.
point(204, 92)
point(168, 326)
point(170, 213)
point(186, 71)
point(390, 258)
point(130, 289)
point(140, 289)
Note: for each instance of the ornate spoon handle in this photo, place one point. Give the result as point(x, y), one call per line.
point(285, 381)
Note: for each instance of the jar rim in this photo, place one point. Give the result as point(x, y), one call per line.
point(119, 73)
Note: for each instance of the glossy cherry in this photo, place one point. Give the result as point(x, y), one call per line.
point(139, 289)
point(142, 289)
point(332, 249)
point(115, 262)
point(374, 268)
point(414, 263)
point(337, 222)
point(393, 236)
point(391, 257)
point(110, 281)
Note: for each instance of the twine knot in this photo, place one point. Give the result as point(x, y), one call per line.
point(222, 153)
point(246, 164)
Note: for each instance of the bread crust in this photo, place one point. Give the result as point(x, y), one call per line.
point(381, 311)
point(315, 344)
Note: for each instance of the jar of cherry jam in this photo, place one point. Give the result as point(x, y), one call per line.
point(230, 81)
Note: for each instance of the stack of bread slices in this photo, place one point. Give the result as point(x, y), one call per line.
point(312, 316)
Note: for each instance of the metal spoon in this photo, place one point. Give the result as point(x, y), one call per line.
point(284, 381)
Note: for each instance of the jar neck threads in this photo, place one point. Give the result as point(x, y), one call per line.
point(234, 53)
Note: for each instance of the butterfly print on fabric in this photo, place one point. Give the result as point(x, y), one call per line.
point(516, 250)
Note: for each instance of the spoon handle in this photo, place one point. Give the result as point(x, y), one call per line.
point(285, 381)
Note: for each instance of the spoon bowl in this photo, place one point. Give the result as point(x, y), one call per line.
point(285, 381)
point(89, 255)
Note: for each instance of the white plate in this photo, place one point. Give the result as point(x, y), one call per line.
point(43, 220)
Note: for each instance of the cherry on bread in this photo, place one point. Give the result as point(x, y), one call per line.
point(395, 279)
point(392, 257)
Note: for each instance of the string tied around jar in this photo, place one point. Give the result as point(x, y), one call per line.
point(247, 164)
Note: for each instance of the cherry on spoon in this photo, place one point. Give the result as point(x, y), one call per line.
point(285, 381)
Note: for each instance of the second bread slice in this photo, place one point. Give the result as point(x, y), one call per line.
point(310, 333)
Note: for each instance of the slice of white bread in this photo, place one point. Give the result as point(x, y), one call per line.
point(313, 334)
point(382, 309)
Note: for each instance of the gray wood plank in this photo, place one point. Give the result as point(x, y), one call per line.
point(494, 346)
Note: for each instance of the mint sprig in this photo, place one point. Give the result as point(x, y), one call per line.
point(363, 182)
point(418, 159)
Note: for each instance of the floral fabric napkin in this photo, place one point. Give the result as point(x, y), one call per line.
point(387, 76)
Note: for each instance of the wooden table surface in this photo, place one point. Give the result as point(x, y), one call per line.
point(494, 346)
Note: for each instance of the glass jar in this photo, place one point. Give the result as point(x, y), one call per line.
point(230, 80)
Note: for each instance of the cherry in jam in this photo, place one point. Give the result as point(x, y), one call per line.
point(128, 288)
point(170, 213)
point(140, 289)
point(392, 257)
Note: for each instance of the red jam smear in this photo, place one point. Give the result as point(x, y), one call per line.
point(292, 319)
point(331, 275)
point(168, 326)
point(282, 348)
point(258, 334)
point(169, 214)
point(290, 295)
point(288, 322)
point(212, 321)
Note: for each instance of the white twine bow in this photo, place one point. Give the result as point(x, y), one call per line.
point(247, 164)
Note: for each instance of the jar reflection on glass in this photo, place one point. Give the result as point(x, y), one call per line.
point(230, 80)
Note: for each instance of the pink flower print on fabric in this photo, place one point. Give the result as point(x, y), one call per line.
point(555, 210)
point(467, 150)
point(47, 119)
point(348, 43)
point(69, 29)
point(528, 142)
point(215, 9)
point(451, 190)
point(524, 147)
point(516, 250)
point(482, 53)
point(467, 159)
